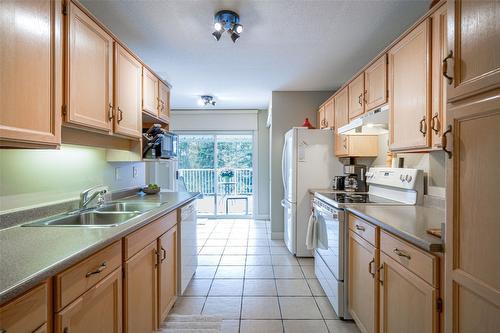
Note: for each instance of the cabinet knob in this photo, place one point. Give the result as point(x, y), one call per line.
point(445, 67)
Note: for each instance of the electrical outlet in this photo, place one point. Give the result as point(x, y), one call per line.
point(118, 174)
point(134, 172)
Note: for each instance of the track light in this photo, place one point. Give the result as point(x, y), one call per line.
point(234, 36)
point(217, 34)
point(207, 100)
point(226, 20)
point(238, 28)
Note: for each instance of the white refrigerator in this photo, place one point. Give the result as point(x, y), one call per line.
point(308, 162)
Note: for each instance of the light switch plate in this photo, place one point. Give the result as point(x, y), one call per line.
point(134, 172)
point(118, 175)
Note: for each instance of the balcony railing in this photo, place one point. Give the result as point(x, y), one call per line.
point(204, 180)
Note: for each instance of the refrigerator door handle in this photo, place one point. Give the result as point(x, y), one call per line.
point(283, 158)
point(283, 203)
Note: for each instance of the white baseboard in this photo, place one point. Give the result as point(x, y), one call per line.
point(261, 217)
point(277, 235)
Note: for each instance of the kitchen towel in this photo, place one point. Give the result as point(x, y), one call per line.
point(316, 237)
point(191, 324)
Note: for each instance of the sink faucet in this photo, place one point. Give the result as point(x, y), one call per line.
point(86, 197)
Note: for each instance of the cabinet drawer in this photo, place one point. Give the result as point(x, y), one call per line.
point(364, 229)
point(74, 281)
point(419, 262)
point(139, 239)
point(25, 313)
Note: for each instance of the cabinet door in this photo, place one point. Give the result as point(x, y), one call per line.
point(128, 119)
point(472, 302)
point(164, 107)
point(439, 52)
point(376, 84)
point(362, 145)
point(98, 310)
point(407, 303)
point(150, 90)
point(356, 95)
point(89, 93)
point(167, 274)
point(341, 145)
point(409, 90)
point(329, 114)
point(31, 79)
point(140, 291)
point(341, 107)
point(321, 117)
point(474, 39)
point(363, 283)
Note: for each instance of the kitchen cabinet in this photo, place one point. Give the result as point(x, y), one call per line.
point(356, 97)
point(439, 52)
point(363, 283)
point(31, 80)
point(375, 93)
point(356, 145)
point(164, 102)
point(89, 72)
point(150, 90)
point(99, 309)
point(128, 76)
point(341, 107)
point(329, 114)
point(26, 313)
point(410, 89)
point(474, 44)
point(320, 118)
point(167, 273)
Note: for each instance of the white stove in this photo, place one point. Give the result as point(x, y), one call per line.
point(387, 186)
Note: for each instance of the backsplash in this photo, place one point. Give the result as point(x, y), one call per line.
point(31, 178)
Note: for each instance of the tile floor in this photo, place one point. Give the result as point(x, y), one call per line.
point(255, 283)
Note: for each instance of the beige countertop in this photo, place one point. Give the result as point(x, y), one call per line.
point(29, 255)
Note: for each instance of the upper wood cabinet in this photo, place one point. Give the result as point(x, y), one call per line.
point(164, 102)
point(341, 107)
point(31, 79)
point(167, 273)
point(376, 92)
point(321, 120)
point(330, 113)
point(150, 90)
point(356, 97)
point(474, 44)
point(410, 89)
point(89, 72)
point(97, 310)
point(128, 77)
point(356, 145)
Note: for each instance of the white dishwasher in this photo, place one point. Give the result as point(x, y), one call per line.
point(188, 248)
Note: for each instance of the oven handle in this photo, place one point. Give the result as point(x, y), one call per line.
point(320, 210)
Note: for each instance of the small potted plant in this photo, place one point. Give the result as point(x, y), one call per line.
point(227, 174)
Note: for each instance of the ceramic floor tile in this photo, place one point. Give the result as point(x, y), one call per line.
point(230, 272)
point(230, 326)
point(235, 250)
point(216, 242)
point(326, 308)
point(237, 242)
point(284, 260)
point(340, 326)
point(301, 326)
point(205, 272)
point(226, 287)
point(198, 287)
point(276, 242)
point(279, 250)
point(292, 287)
point(258, 242)
point(299, 308)
point(316, 288)
point(259, 287)
point(209, 250)
point(259, 272)
point(208, 260)
point(233, 260)
point(306, 261)
point(261, 326)
point(258, 260)
point(308, 272)
point(262, 250)
point(287, 272)
point(227, 307)
point(260, 308)
point(188, 305)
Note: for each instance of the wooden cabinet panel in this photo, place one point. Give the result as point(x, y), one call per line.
point(356, 97)
point(164, 106)
point(127, 83)
point(439, 52)
point(409, 90)
point(150, 90)
point(321, 117)
point(329, 114)
point(474, 39)
point(362, 145)
point(363, 283)
point(140, 291)
point(97, 310)
point(341, 106)
point(167, 273)
point(27, 312)
point(407, 303)
point(341, 145)
point(77, 279)
point(364, 229)
point(376, 84)
point(42, 329)
point(31, 80)
point(89, 72)
point(472, 228)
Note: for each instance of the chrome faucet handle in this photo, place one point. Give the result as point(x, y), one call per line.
point(86, 198)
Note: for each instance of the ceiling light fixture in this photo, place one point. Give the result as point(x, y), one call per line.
point(207, 100)
point(227, 20)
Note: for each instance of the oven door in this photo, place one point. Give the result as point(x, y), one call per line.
point(333, 257)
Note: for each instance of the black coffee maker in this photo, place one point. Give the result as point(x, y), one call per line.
point(355, 180)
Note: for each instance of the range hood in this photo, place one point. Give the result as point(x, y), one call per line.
point(374, 122)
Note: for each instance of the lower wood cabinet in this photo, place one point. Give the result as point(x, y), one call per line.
point(167, 273)
point(99, 309)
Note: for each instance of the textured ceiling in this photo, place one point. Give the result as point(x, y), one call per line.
point(286, 45)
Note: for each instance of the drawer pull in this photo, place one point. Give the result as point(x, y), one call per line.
point(3, 330)
point(401, 253)
point(360, 227)
point(370, 267)
point(445, 67)
point(98, 270)
point(164, 255)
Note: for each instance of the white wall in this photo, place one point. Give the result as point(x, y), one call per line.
point(289, 109)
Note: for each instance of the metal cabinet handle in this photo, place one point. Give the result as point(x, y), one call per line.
point(98, 270)
point(345, 142)
point(359, 227)
point(3, 330)
point(370, 267)
point(326, 123)
point(164, 253)
point(445, 67)
point(401, 253)
point(423, 126)
point(359, 99)
point(110, 114)
point(435, 123)
point(364, 96)
point(381, 275)
point(120, 115)
point(444, 141)
point(66, 330)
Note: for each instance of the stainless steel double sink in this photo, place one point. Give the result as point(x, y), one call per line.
point(108, 215)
